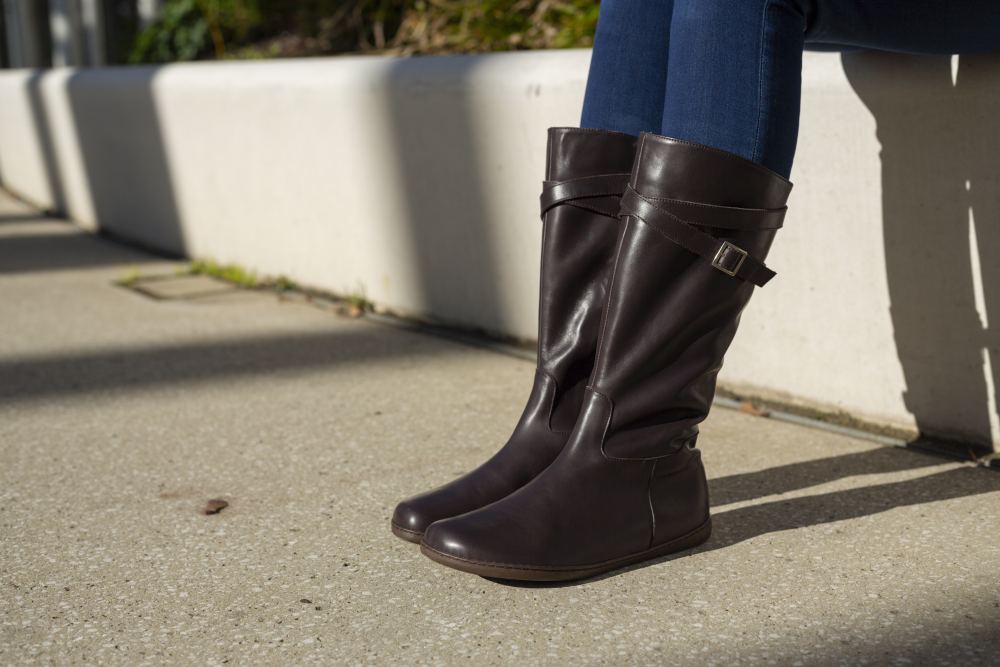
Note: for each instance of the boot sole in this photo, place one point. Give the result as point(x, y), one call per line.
point(541, 573)
point(405, 534)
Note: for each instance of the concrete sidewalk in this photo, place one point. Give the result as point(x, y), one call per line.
point(121, 415)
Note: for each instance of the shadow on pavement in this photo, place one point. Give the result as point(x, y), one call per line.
point(10, 218)
point(944, 639)
point(738, 525)
point(70, 249)
point(94, 373)
point(46, 145)
point(805, 474)
point(124, 155)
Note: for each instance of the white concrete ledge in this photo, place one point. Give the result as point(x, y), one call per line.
point(416, 181)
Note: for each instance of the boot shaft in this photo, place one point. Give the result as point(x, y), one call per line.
point(586, 173)
point(671, 313)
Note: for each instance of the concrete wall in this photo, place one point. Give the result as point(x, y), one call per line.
point(416, 181)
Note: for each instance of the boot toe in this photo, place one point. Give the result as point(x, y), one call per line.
point(410, 520)
point(476, 543)
point(448, 539)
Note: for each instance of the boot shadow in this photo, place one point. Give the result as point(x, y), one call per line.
point(805, 474)
point(738, 525)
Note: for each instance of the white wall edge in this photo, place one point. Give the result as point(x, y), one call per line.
point(416, 182)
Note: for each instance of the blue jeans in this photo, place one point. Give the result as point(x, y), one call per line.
point(727, 73)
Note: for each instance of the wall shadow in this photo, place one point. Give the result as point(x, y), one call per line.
point(124, 156)
point(430, 118)
point(121, 144)
point(42, 128)
point(92, 374)
point(940, 140)
point(72, 249)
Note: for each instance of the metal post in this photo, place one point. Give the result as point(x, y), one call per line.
point(93, 39)
point(122, 21)
point(4, 49)
point(27, 28)
point(64, 26)
point(149, 11)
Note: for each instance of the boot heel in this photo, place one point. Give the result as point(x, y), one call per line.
point(698, 536)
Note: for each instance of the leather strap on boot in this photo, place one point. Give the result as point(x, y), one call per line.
point(599, 194)
point(729, 258)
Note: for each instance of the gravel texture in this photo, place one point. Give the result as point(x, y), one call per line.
point(122, 417)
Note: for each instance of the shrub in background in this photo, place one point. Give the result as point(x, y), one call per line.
point(192, 29)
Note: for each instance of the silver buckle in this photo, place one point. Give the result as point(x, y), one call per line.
point(722, 252)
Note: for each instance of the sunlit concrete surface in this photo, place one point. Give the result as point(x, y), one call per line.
point(121, 415)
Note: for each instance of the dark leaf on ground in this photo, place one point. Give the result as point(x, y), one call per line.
point(749, 408)
point(215, 505)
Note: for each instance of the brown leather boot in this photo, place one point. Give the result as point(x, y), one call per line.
point(586, 173)
point(629, 484)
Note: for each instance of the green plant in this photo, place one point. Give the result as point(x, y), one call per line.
point(358, 301)
point(496, 25)
point(356, 304)
point(238, 275)
point(181, 33)
point(190, 29)
point(232, 273)
point(130, 276)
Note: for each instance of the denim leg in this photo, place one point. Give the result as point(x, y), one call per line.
point(925, 27)
point(628, 68)
point(735, 77)
point(735, 66)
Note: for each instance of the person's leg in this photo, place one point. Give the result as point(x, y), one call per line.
point(924, 27)
point(628, 67)
point(735, 77)
point(735, 67)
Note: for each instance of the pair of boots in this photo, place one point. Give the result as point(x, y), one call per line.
point(651, 248)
